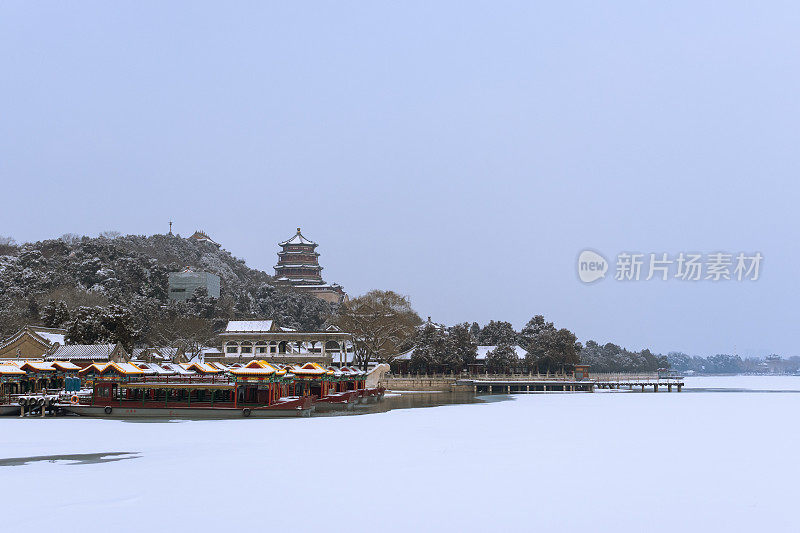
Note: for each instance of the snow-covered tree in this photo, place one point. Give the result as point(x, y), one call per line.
point(502, 359)
point(497, 332)
point(464, 344)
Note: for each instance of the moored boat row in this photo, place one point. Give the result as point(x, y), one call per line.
point(258, 389)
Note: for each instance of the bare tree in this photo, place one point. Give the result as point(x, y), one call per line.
point(70, 238)
point(382, 324)
point(8, 246)
point(189, 334)
point(110, 234)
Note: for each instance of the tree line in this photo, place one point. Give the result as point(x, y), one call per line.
point(113, 289)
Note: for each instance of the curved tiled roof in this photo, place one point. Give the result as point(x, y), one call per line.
point(297, 239)
point(89, 352)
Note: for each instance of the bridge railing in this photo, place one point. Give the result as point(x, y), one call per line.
point(482, 375)
point(616, 377)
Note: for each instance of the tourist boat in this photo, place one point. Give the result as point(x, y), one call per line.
point(10, 377)
point(338, 388)
point(257, 390)
point(22, 381)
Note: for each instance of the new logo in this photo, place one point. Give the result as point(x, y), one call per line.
point(591, 266)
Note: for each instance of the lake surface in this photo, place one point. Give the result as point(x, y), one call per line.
point(719, 456)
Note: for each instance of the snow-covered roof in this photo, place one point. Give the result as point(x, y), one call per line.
point(37, 366)
point(310, 369)
point(127, 368)
point(484, 350)
point(405, 356)
point(248, 326)
point(93, 352)
point(45, 336)
point(122, 368)
point(169, 352)
point(254, 367)
point(297, 239)
point(11, 370)
point(297, 265)
point(203, 368)
point(154, 368)
point(202, 236)
point(178, 369)
point(65, 366)
point(50, 335)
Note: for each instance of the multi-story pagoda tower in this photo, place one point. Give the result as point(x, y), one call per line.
point(298, 266)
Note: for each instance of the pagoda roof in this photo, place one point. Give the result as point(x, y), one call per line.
point(298, 252)
point(298, 265)
point(297, 239)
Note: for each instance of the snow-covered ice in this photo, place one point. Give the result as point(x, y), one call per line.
point(549, 462)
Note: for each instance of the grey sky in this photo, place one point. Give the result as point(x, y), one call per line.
point(461, 153)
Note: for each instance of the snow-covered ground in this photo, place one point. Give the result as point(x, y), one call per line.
point(754, 383)
point(556, 462)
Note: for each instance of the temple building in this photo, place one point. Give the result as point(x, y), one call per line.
point(298, 266)
point(201, 236)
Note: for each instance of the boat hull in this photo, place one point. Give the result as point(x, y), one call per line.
point(99, 411)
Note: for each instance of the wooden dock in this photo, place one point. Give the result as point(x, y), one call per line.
point(524, 384)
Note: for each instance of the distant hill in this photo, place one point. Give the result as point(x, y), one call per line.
point(98, 280)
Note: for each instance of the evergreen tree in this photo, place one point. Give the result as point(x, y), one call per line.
point(96, 325)
point(496, 333)
point(553, 350)
point(425, 356)
point(464, 344)
point(502, 359)
point(55, 313)
point(536, 326)
point(475, 329)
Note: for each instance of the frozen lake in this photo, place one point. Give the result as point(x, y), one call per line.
point(720, 456)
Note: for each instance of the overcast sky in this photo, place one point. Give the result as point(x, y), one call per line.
point(461, 153)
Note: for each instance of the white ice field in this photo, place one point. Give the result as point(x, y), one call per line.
point(694, 461)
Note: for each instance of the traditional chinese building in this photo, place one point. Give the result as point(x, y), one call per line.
point(85, 354)
point(244, 340)
point(202, 236)
point(298, 266)
point(31, 342)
